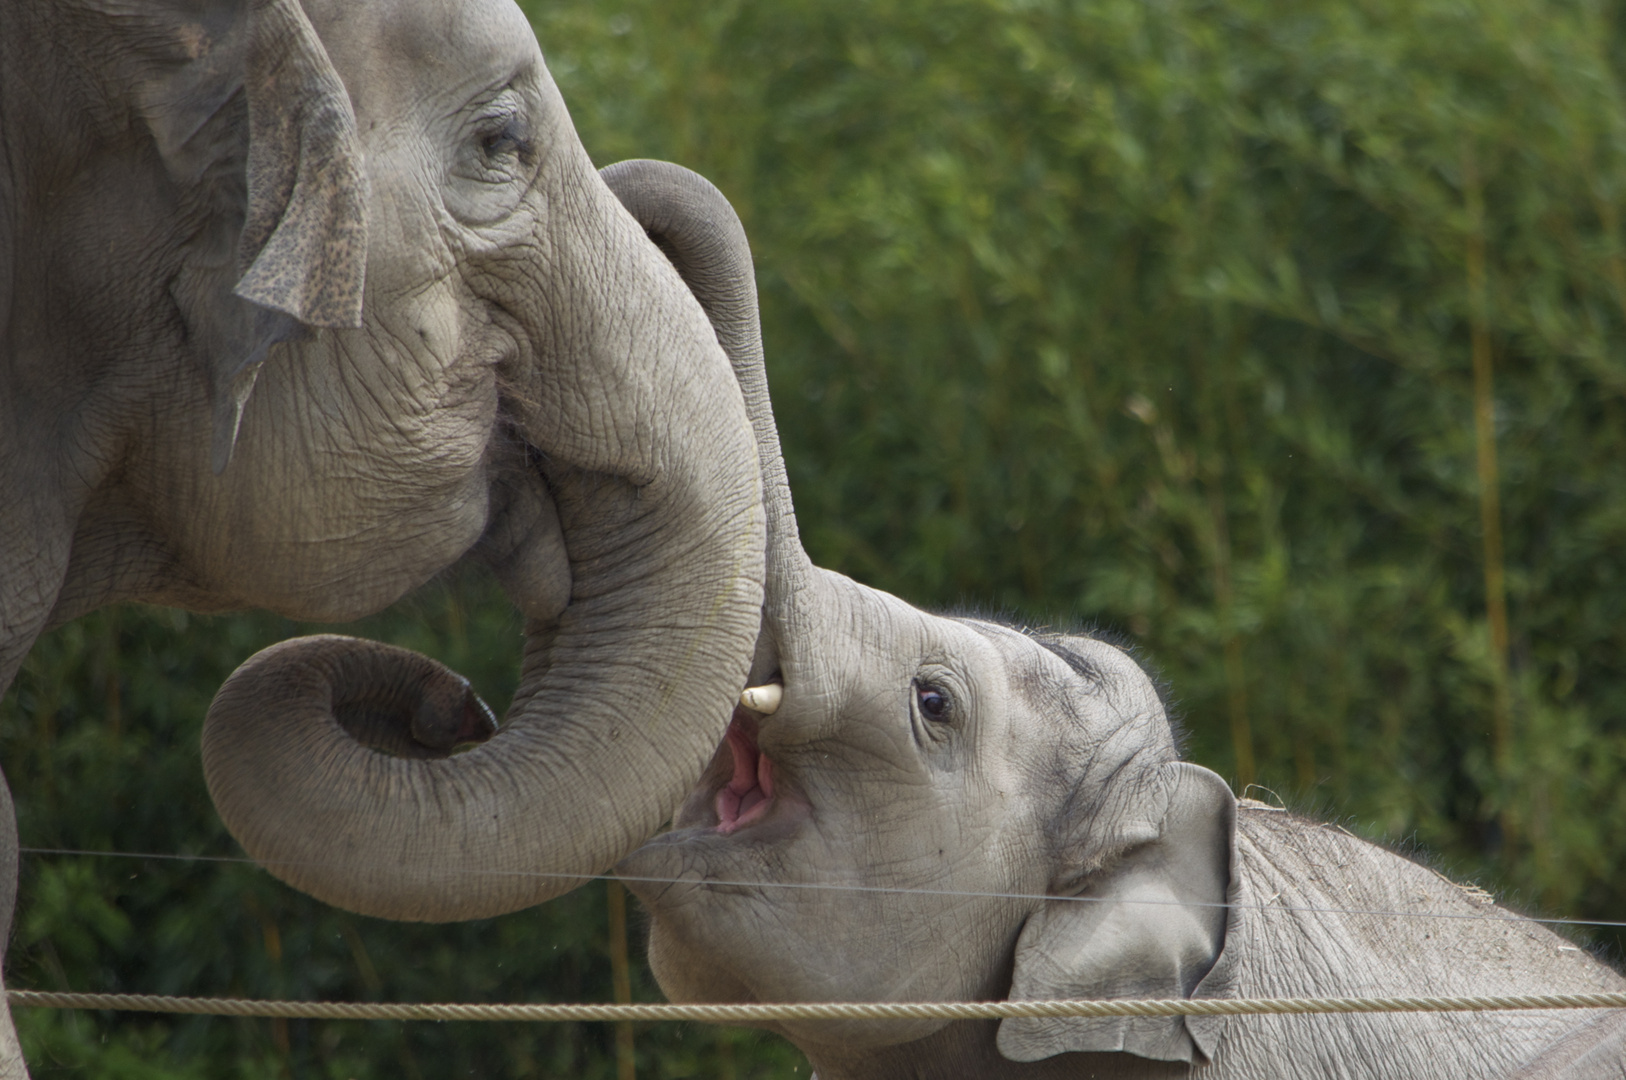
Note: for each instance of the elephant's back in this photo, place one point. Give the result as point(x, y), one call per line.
point(1327, 914)
point(1319, 882)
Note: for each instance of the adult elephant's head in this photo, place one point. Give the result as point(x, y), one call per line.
point(429, 328)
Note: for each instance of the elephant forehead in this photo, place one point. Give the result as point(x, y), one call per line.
point(1072, 674)
point(391, 53)
point(875, 630)
point(1031, 669)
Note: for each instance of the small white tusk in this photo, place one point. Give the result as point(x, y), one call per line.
point(763, 699)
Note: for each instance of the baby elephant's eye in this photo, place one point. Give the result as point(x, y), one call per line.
point(934, 704)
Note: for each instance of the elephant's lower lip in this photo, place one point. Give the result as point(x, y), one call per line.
point(749, 793)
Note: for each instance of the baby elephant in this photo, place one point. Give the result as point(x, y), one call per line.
point(951, 809)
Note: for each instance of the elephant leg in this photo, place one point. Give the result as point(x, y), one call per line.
point(11, 1052)
point(36, 538)
point(35, 541)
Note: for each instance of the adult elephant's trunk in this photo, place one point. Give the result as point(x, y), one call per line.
point(694, 224)
point(324, 755)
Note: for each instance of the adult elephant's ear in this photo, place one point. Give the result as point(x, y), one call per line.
point(1150, 922)
point(253, 124)
point(304, 242)
point(303, 248)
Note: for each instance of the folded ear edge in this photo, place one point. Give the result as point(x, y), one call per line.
point(1152, 923)
point(304, 240)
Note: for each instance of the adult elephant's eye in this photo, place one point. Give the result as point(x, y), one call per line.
point(495, 157)
point(510, 141)
point(933, 703)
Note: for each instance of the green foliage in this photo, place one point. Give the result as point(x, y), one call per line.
point(1157, 315)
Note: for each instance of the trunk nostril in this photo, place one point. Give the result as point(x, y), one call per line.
point(411, 710)
point(450, 713)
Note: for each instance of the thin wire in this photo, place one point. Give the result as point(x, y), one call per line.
point(1269, 905)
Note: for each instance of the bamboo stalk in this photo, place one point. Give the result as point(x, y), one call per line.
point(1236, 684)
point(1490, 507)
point(620, 977)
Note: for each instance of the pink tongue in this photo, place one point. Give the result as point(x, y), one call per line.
point(750, 789)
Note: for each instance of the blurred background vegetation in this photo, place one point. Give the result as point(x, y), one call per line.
point(1286, 339)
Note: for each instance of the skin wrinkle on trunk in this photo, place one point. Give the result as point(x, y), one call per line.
point(696, 227)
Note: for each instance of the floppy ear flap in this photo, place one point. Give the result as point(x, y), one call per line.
point(299, 232)
point(1151, 923)
point(304, 240)
point(303, 248)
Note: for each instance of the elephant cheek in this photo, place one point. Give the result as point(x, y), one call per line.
point(361, 460)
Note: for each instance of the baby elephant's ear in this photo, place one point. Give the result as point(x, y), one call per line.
point(1151, 923)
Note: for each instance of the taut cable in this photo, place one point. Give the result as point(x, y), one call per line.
point(1499, 915)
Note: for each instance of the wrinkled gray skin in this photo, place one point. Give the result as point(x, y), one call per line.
point(299, 307)
point(941, 755)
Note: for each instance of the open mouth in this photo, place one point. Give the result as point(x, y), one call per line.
point(748, 795)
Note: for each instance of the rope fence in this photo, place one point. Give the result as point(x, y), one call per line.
point(839, 1010)
point(624, 1013)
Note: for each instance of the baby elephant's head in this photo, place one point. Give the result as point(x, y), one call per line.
point(945, 809)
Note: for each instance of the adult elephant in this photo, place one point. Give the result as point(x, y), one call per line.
point(1013, 820)
point(301, 305)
